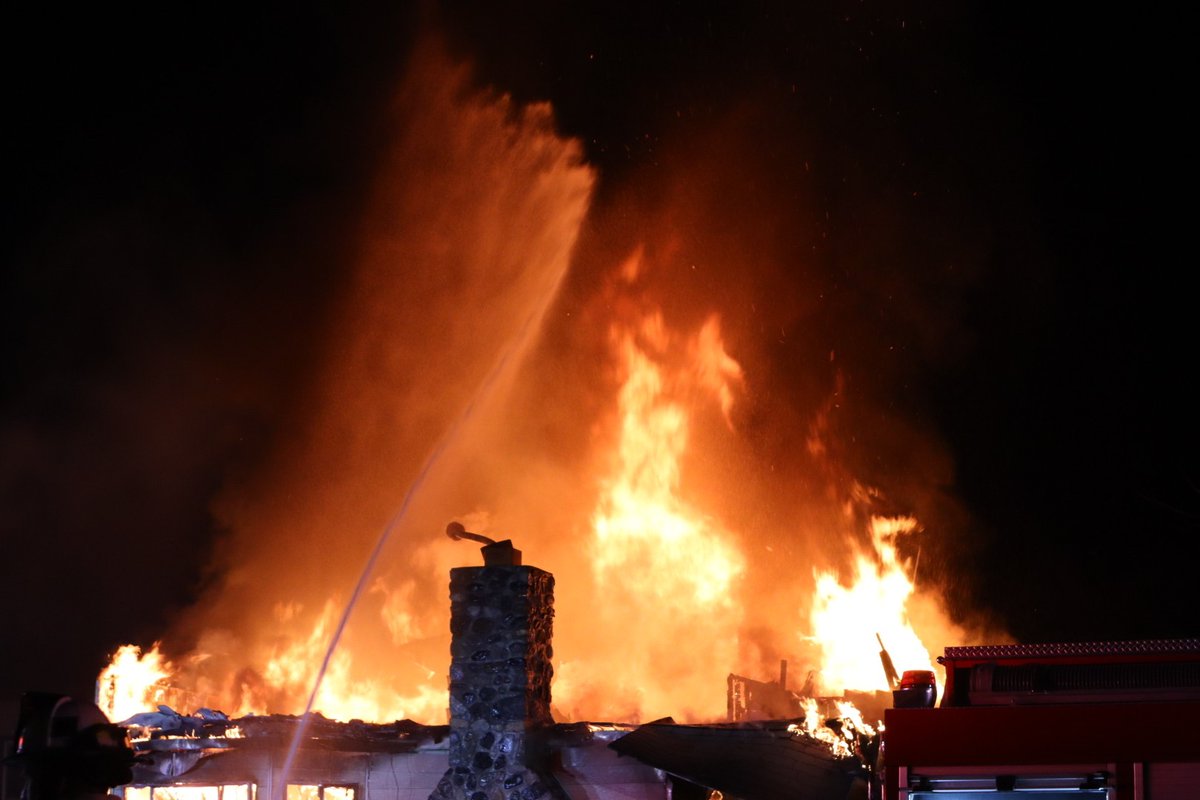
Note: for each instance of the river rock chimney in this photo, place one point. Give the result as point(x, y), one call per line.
point(501, 619)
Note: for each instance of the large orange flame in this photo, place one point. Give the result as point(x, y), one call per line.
point(667, 579)
point(465, 252)
point(656, 559)
point(849, 621)
point(132, 682)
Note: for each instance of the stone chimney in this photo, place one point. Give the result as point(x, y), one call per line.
point(501, 618)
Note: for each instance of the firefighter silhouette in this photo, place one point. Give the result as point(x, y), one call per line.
point(68, 750)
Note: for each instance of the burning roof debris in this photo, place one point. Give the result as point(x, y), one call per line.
point(207, 728)
point(170, 745)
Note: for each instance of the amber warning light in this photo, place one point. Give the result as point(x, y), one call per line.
point(917, 689)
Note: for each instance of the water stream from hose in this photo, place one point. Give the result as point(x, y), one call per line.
point(509, 358)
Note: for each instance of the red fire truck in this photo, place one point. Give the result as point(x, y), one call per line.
point(1112, 720)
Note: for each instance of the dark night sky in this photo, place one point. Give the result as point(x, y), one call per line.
point(180, 185)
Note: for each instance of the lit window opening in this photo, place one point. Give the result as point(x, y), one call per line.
point(320, 791)
point(227, 791)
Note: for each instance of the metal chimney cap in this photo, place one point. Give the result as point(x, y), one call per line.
point(495, 554)
point(501, 554)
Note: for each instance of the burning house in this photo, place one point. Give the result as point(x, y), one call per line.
point(501, 742)
point(611, 425)
point(1104, 721)
point(603, 414)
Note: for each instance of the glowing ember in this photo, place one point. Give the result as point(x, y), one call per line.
point(849, 726)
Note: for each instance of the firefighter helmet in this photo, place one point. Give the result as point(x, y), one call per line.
point(64, 742)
